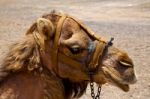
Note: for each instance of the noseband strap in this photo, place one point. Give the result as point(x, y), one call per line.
point(94, 62)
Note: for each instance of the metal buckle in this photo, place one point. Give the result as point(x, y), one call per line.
point(110, 43)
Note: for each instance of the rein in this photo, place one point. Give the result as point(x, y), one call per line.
point(97, 51)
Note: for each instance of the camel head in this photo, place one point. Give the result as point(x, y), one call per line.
point(71, 50)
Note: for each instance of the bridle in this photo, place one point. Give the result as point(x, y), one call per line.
point(97, 51)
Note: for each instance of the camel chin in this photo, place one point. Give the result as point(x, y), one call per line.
point(112, 77)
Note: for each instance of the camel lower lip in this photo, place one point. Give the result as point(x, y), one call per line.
point(124, 87)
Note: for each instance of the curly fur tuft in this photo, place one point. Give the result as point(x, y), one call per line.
point(22, 56)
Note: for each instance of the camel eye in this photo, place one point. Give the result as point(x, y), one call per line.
point(75, 49)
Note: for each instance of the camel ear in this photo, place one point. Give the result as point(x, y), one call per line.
point(45, 28)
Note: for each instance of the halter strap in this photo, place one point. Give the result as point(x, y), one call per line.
point(92, 34)
point(94, 62)
point(94, 59)
point(97, 53)
point(56, 41)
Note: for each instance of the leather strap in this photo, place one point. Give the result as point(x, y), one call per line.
point(94, 62)
point(56, 42)
point(92, 34)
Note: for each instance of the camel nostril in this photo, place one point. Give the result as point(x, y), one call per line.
point(126, 64)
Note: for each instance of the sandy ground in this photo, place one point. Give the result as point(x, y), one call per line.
point(126, 20)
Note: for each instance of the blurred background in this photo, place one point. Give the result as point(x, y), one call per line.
point(128, 21)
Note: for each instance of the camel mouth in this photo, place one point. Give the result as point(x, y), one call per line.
point(124, 87)
point(113, 79)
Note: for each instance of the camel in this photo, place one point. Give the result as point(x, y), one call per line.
point(58, 57)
